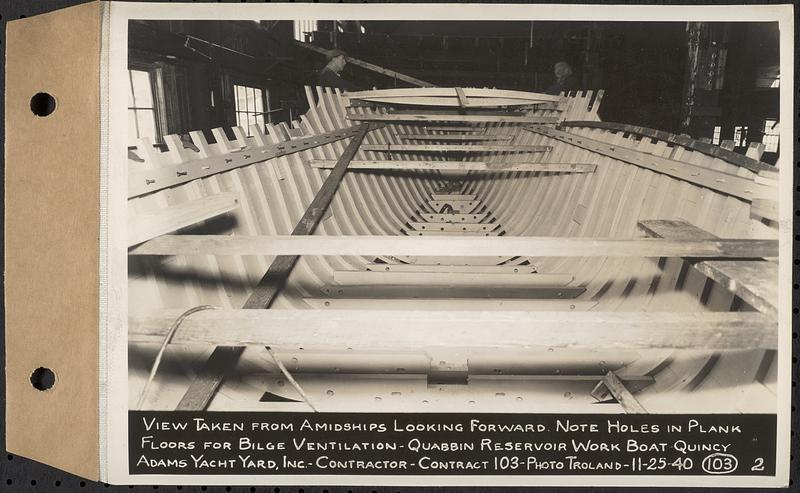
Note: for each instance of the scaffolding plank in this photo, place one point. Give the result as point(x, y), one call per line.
point(454, 148)
point(377, 164)
point(485, 279)
point(143, 227)
point(533, 246)
point(755, 281)
point(412, 330)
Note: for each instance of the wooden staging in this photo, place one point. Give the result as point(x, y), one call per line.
point(622, 264)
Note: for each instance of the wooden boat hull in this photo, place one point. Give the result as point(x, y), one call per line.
point(557, 372)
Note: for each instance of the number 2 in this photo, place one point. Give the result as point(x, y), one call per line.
point(759, 465)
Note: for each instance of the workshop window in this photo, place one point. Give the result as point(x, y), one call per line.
point(717, 134)
point(740, 136)
point(251, 106)
point(303, 29)
point(772, 135)
point(142, 110)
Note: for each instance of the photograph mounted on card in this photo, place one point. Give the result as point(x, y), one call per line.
point(389, 245)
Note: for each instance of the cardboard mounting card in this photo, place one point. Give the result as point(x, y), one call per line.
point(401, 244)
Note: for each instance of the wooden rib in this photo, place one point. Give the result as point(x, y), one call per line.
point(460, 138)
point(368, 66)
point(498, 167)
point(485, 279)
point(737, 186)
point(532, 246)
point(143, 227)
point(432, 117)
point(454, 148)
point(682, 140)
point(145, 181)
point(755, 281)
point(412, 330)
point(616, 388)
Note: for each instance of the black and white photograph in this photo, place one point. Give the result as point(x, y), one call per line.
point(427, 216)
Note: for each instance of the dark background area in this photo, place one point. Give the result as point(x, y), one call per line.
point(631, 67)
point(675, 76)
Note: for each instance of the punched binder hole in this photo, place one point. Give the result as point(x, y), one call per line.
point(43, 379)
point(43, 104)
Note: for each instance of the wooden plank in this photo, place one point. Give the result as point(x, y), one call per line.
point(626, 400)
point(143, 180)
point(451, 137)
point(142, 227)
point(452, 233)
point(499, 269)
point(450, 304)
point(447, 92)
point(384, 292)
point(449, 102)
point(755, 281)
point(454, 148)
point(453, 196)
point(413, 330)
point(532, 246)
point(730, 184)
point(377, 164)
point(370, 278)
point(211, 375)
point(455, 218)
point(393, 74)
point(462, 98)
point(474, 227)
point(768, 209)
point(458, 206)
point(443, 117)
point(681, 140)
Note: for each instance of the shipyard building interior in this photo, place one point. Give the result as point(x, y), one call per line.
point(447, 216)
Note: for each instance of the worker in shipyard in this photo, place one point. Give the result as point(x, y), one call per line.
point(565, 80)
point(330, 76)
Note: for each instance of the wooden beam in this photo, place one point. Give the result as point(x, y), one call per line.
point(451, 137)
point(144, 181)
point(616, 388)
point(498, 269)
point(386, 292)
point(377, 164)
point(764, 208)
point(454, 218)
point(454, 148)
point(473, 227)
point(458, 206)
point(447, 92)
point(754, 281)
point(414, 330)
point(432, 117)
point(479, 304)
point(223, 360)
point(368, 66)
point(727, 183)
point(453, 196)
point(531, 246)
point(682, 140)
point(143, 227)
point(484, 279)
